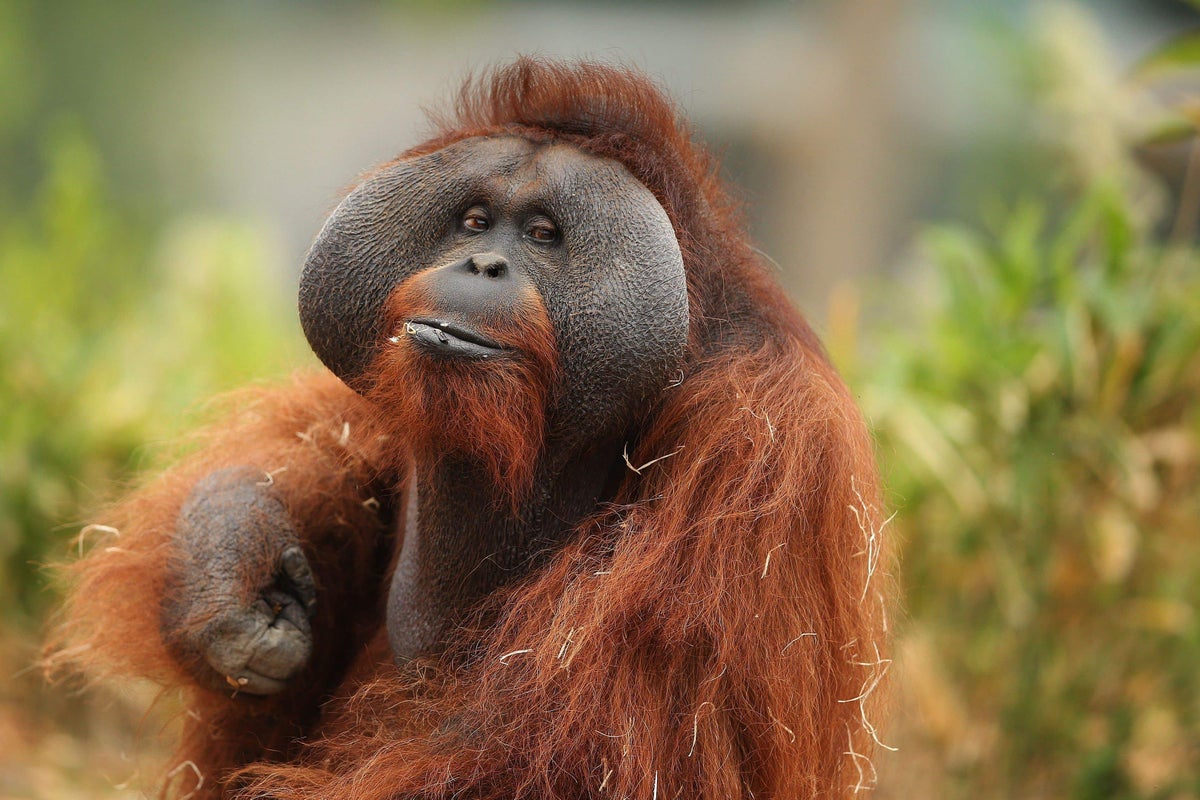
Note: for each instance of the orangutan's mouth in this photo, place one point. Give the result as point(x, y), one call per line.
point(442, 337)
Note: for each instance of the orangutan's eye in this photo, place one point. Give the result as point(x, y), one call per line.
point(476, 219)
point(541, 229)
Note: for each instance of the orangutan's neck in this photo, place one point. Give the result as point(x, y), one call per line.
point(462, 538)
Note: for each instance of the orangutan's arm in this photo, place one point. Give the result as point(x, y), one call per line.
point(252, 568)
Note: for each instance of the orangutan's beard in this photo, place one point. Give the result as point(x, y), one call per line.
point(491, 410)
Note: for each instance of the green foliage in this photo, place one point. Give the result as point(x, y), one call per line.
point(1038, 416)
point(1042, 429)
point(109, 328)
point(1182, 53)
point(17, 79)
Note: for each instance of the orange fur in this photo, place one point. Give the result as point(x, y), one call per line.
point(496, 411)
point(710, 633)
point(314, 442)
point(718, 631)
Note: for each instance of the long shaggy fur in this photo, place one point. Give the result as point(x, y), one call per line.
point(716, 632)
point(496, 410)
point(315, 444)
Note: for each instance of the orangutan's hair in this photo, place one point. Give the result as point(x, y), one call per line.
point(717, 631)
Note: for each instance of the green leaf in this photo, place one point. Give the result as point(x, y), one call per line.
point(1181, 54)
point(1172, 128)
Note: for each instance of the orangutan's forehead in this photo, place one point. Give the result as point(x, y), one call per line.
point(520, 160)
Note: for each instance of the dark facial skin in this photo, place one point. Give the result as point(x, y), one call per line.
point(490, 224)
point(612, 278)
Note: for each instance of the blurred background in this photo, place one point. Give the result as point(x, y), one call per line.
point(989, 209)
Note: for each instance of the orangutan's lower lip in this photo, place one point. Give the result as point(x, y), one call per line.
point(442, 337)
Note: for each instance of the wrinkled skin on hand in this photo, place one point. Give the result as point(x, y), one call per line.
point(243, 593)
